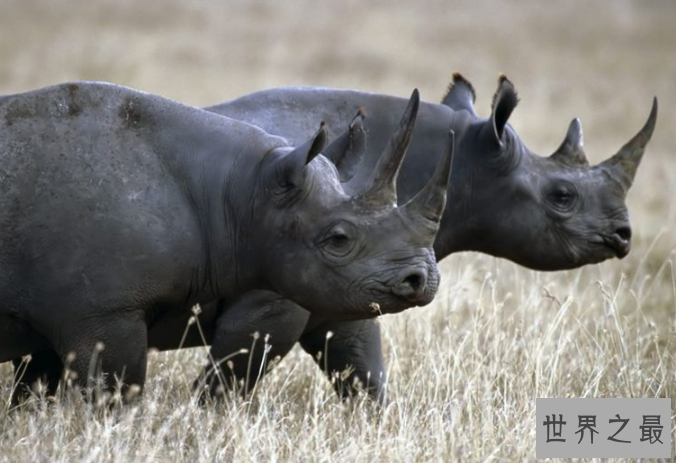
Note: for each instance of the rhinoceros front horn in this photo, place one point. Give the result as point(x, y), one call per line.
point(430, 202)
point(571, 151)
point(625, 162)
point(380, 188)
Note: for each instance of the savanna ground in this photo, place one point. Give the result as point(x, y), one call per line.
point(466, 370)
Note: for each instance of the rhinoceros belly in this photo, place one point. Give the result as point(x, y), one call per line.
point(17, 339)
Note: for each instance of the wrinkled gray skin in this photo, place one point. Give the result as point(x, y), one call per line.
point(118, 208)
point(545, 213)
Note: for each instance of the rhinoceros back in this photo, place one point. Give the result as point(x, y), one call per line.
point(290, 112)
point(94, 182)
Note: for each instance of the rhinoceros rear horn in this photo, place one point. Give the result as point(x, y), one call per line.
point(460, 95)
point(504, 102)
point(346, 151)
point(625, 163)
point(380, 188)
point(430, 202)
point(571, 151)
point(293, 164)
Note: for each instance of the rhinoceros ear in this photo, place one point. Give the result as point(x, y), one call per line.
point(460, 94)
point(292, 165)
point(571, 151)
point(346, 151)
point(504, 102)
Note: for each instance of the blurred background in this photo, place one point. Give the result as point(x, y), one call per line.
point(598, 60)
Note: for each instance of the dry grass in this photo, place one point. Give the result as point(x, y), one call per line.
point(466, 370)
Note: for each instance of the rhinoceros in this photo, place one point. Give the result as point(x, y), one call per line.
point(545, 213)
point(118, 207)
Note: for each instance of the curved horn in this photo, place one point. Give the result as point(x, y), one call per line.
point(460, 94)
point(346, 151)
point(381, 187)
point(629, 157)
point(571, 151)
point(430, 202)
point(292, 165)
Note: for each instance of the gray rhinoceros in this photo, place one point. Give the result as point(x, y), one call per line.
point(545, 213)
point(549, 213)
point(119, 207)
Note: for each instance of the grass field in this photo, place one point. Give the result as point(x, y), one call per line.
point(465, 371)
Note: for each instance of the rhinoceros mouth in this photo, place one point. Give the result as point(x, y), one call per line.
point(388, 302)
point(417, 299)
point(613, 246)
point(392, 293)
point(618, 244)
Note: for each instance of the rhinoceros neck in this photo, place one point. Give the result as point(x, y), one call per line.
point(216, 159)
point(458, 225)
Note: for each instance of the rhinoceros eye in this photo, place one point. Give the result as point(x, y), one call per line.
point(563, 196)
point(338, 241)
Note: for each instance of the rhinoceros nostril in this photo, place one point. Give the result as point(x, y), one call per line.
point(620, 240)
point(415, 281)
point(411, 284)
point(624, 233)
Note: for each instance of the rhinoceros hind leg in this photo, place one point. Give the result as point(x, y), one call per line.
point(353, 360)
point(278, 323)
point(44, 367)
point(102, 353)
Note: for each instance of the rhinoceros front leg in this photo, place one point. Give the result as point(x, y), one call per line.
point(43, 366)
point(351, 356)
point(112, 346)
point(259, 328)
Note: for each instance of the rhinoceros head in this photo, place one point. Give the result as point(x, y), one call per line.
point(343, 246)
point(546, 213)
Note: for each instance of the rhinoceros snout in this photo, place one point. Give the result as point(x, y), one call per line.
point(620, 240)
point(412, 285)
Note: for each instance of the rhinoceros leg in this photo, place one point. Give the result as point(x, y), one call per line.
point(354, 358)
point(114, 346)
point(44, 366)
point(264, 324)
